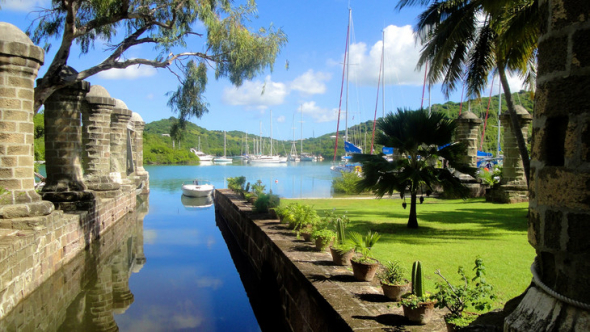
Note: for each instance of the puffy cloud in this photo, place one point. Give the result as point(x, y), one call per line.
point(401, 56)
point(24, 5)
point(129, 73)
point(317, 113)
point(281, 119)
point(310, 83)
point(256, 94)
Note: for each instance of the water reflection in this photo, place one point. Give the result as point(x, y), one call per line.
point(196, 203)
point(85, 293)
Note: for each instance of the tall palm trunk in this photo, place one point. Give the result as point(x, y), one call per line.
point(524, 154)
point(413, 219)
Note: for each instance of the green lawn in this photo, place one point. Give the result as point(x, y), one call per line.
point(451, 233)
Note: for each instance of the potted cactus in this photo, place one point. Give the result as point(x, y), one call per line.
point(342, 250)
point(392, 279)
point(364, 266)
point(418, 305)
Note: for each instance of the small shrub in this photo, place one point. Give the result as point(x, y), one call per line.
point(346, 184)
point(237, 183)
point(266, 202)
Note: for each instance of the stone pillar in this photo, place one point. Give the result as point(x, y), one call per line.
point(19, 63)
point(559, 205)
point(142, 179)
point(96, 139)
point(119, 120)
point(513, 187)
point(467, 131)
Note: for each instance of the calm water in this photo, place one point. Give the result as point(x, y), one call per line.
point(188, 281)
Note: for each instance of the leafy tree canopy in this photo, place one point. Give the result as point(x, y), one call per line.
point(226, 44)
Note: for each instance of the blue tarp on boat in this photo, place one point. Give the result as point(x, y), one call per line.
point(351, 148)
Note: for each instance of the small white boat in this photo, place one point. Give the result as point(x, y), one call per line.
point(197, 189)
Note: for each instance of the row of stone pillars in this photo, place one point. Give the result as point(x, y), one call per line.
point(513, 187)
point(80, 159)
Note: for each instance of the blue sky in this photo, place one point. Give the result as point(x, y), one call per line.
point(308, 91)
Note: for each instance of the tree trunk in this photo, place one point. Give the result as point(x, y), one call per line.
point(413, 220)
point(524, 154)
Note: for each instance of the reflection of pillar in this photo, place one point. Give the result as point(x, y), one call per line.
point(142, 209)
point(122, 296)
point(99, 303)
point(559, 205)
point(96, 137)
point(19, 63)
point(119, 120)
point(467, 132)
point(142, 176)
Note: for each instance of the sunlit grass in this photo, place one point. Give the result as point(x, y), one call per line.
point(451, 233)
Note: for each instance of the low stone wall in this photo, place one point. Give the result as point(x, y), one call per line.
point(32, 249)
point(311, 292)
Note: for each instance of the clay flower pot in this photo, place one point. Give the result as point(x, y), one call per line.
point(322, 244)
point(420, 315)
point(395, 292)
point(364, 271)
point(341, 258)
point(306, 236)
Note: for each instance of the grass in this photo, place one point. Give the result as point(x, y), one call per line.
point(451, 233)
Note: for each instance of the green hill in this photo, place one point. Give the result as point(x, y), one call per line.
point(159, 149)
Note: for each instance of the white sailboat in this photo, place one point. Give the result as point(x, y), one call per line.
point(269, 159)
point(224, 159)
point(203, 157)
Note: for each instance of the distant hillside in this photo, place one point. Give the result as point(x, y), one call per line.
point(159, 149)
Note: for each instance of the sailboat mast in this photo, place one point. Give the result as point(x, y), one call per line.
point(347, 73)
point(271, 132)
point(301, 149)
point(224, 143)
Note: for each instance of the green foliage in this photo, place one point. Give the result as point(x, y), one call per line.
point(258, 188)
point(491, 178)
point(158, 150)
point(346, 184)
point(264, 202)
point(236, 183)
point(302, 216)
point(475, 293)
point(39, 136)
point(392, 274)
point(364, 245)
point(324, 234)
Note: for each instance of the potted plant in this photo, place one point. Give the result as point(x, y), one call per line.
point(475, 293)
point(364, 266)
point(303, 220)
point(323, 238)
point(342, 250)
point(392, 279)
point(418, 305)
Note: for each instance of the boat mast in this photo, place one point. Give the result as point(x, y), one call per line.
point(224, 143)
point(347, 73)
point(301, 149)
point(271, 132)
point(342, 86)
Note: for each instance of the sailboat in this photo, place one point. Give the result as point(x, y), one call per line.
point(224, 159)
point(202, 155)
point(348, 146)
point(269, 159)
point(304, 156)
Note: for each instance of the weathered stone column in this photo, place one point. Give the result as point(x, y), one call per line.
point(513, 187)
point(559, 205)
point(19, 63)
point(96, 139)
point(119, 120)
point(467, 131)
point(142, 176)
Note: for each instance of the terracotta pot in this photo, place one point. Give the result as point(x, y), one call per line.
point(395, 292)
point(364, 271)
point(451, 327)
point(420, 315)
point(306, 236)
point(323, 244)
point(341, 258)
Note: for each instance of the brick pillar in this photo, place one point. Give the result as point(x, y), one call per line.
point(96, 138)
point(19, 63)
point(63, 146)
point(119, 120)
point(142, 179)
point(559, 206)
point(467, 131)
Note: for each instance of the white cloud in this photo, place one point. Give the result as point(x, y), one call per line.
point(310, 83)
point(129, 73)
point(150, 96)
point(24, 5)
point(281, 119)
point(256, 94)
point(317, 113)
point(401, 56)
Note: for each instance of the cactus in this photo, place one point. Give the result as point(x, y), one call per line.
point(417, 279)
point(248, 187)
point(340, 226)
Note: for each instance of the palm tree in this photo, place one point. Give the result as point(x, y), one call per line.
point(418, 138)
point(480, 37)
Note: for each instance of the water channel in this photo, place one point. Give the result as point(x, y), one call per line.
point(167, 266)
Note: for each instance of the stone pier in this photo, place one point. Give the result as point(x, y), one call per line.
point(142, 177)
point(467, 132)
point(119, 119)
